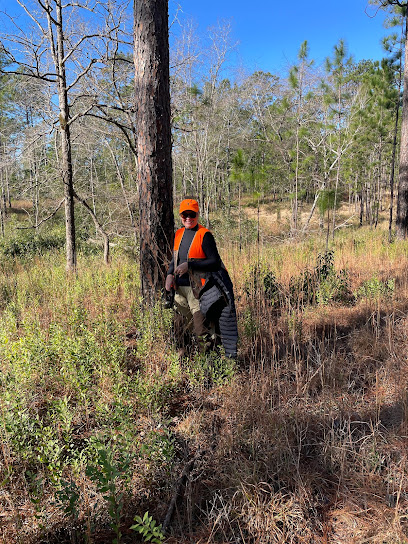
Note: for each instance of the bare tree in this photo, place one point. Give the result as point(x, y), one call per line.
point(297, 81)
point(60, 50)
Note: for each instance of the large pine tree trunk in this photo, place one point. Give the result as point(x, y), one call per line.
point(152, 104)
point(402, 202)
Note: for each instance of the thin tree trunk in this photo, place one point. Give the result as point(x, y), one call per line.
point(338, 166)
point(92, 185)
point(122, 185)
point(361, 206)
point(402, 203)
point(57, 51)
point(394, 152)
point(306, 226)
point(367, 201)
point(378, 196)
point(239, 218)
point(328, 229)
point(2, 211)
point(7, 178)
point(4, 197)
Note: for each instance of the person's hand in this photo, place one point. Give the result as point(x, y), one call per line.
point(181, 269)
point(169, 282)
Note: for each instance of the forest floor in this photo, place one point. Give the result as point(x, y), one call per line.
point(303, 440)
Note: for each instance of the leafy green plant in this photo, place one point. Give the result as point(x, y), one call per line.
point(36, 493)
point(216, 368)
point(67, 498)
point(148, 529)
point(324, 264)
point(374, 289)
point(320, 285)
point(36, 443)
point(250, 324)
point(24, 245)
point(64, 416)
point(106, 474)
point(158, 446)
point(302, 289)
point(261, 282)
point(334, 288)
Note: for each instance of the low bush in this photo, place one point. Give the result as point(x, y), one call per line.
point(375, 289)
point(27, 244)
point(320, 285)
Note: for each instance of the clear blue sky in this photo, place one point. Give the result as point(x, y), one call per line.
point(270, 32)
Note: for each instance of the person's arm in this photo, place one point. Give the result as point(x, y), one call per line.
point(170, 276)
point(170, 270)
point(212, 261)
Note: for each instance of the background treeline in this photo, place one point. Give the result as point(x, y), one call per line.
point(314, 137)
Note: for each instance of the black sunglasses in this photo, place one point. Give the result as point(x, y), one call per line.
point(192, 215)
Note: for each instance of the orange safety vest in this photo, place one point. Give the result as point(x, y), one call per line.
point(196, 248)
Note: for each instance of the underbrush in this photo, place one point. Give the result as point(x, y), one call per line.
point(303, 440)
point(83, 411)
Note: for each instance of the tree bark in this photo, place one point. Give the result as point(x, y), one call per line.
point(361, 206)
point(152, 105)
point(57, 50)
point(2, 209)
point(402, 201)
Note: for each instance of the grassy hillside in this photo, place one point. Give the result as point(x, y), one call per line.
point(303, 440)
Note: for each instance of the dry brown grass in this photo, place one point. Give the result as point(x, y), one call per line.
point(308, 443)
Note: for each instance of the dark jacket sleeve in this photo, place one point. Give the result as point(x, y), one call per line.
point(170, 270)
point(212, 261)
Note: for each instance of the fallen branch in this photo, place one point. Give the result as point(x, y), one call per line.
point(177, 491)
point(346, 222)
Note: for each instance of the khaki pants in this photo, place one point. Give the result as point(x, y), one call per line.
point(185, 301)
point(189, 307)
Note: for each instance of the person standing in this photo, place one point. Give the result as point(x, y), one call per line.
point(196, 266)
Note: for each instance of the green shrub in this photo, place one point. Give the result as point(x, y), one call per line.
point(211, 368)
point(28, 244)
point(320, 285)
point(261, 282)
point(374, 289)
point(148, 529)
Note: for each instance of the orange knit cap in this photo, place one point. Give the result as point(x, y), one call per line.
point(189, 204)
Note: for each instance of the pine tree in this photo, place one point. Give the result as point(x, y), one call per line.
point(152, 104)
point(401, 8)
point(337, 68)
point(298, 82)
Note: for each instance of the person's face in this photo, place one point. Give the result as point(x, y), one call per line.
point(189, 219)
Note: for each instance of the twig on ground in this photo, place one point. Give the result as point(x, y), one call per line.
point(177, 491)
